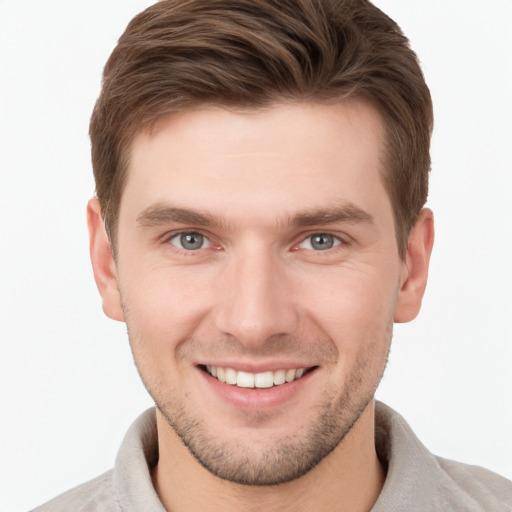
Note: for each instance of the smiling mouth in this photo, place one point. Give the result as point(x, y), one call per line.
point(261, 380)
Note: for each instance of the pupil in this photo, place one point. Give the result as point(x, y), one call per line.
point(322, 242)
point(191, 241)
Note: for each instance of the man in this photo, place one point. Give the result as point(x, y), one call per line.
point(261, 171)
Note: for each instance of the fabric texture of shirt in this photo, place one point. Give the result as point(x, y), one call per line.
point(416, 480)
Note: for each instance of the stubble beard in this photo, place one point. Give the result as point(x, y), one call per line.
point(291, 456)
point(282, 462)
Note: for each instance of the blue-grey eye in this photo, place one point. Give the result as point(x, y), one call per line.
point(190, 241)
point(320, 242)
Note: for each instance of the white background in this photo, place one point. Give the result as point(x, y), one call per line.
point(68, 386)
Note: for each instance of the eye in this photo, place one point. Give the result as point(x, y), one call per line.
point(320, 242)
point(190, 241)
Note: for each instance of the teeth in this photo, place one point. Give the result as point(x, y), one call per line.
point(279, 377)
point(245, 380)
point(255, 380)
point(290, 375)
point(264, 380)
point(221, 374)
point(230, 376)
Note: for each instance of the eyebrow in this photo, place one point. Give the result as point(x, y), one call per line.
point(161, 214)
point(347, 213)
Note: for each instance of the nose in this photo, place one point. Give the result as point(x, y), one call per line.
point(256, 302)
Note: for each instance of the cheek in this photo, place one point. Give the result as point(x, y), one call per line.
point(163, 308)
point(164, 304)
point(353, 306)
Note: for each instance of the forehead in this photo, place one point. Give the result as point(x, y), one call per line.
point(278, 160)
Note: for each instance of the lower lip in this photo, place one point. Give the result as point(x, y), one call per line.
point(254, 399)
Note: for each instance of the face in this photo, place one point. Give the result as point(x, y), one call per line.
point(259, 278)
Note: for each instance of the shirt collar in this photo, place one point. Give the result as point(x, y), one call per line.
point(414, 475)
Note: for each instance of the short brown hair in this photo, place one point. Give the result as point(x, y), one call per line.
point(180, 54)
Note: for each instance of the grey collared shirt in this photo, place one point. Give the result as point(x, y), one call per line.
point(416, 480)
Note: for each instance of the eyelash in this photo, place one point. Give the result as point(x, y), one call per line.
point(338, 242)
point(169, 238)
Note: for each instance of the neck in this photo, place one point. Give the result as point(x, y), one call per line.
point(349, 478)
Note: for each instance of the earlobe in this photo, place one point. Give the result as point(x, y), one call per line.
point(421, 240)
point(103, 263)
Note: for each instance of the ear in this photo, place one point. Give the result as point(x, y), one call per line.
point(103, 263)
point(414, 280)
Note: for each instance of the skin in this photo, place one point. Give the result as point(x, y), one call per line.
point(257, 295)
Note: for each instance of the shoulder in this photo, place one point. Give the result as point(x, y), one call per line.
point(126, 487)
point(418, 480)
point(490, 490)
point(95, 495)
